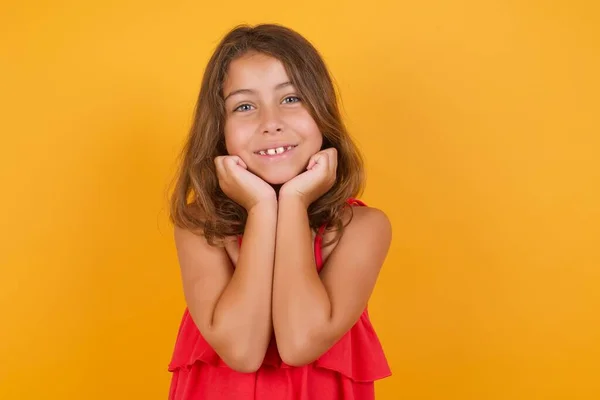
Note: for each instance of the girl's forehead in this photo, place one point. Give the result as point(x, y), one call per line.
point(254, 69)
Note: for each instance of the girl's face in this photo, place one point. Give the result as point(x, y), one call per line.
point(266, 123)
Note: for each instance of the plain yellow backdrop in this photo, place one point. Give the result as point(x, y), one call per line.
point(479, 123)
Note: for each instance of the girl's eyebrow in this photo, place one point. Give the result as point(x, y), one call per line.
point(251, 91)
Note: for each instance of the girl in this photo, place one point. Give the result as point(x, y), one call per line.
point(282, 313)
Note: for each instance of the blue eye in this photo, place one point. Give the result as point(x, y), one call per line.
point(239, 108)
point(294, 98)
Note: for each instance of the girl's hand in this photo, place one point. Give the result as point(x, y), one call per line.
point(241, 185)
point(318, 178)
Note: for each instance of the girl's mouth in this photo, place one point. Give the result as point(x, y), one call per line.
point(275, 151)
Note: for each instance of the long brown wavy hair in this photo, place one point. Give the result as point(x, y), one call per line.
point(197, 202)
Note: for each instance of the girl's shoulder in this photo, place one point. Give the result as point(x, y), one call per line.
point(359, 216)
point(368, 216)
point(359, 220)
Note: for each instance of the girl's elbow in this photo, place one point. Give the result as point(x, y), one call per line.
point(244, 358)
point(244, 366)
point(297, 353)
point(241, 353)
point(295, 360)
point(303, 346)
point(244, 363)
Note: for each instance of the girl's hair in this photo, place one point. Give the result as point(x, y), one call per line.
point(197, 202)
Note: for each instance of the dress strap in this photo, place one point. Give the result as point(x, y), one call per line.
point(318, 245)
point(355, 202)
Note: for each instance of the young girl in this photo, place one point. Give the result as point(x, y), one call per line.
point(280, 314)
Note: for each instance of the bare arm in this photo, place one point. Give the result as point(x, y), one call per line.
point(232, 307)
point(312, 312)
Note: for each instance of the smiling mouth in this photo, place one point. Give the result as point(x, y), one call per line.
point(275, 151)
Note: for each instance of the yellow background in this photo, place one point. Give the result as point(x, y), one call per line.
point(479, 122)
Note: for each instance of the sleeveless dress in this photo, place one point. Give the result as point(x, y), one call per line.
point(346, 371)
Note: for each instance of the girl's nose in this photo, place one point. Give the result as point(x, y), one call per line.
point(271, 123)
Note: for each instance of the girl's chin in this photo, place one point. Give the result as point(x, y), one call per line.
point(276, 175)
point(277, 179)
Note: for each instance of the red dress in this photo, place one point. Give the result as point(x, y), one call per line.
point(346, 371)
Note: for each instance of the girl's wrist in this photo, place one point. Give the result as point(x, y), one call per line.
point(293, 199)
point(265, 205)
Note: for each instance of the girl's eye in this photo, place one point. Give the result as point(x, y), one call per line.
point(243, 107)
point(291, 99)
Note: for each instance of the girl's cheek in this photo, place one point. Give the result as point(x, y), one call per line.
point(237, 135)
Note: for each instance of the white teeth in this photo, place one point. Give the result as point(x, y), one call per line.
point(277, 150)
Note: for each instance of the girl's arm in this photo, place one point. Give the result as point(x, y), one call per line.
point(311, 312)
point(232, 307)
